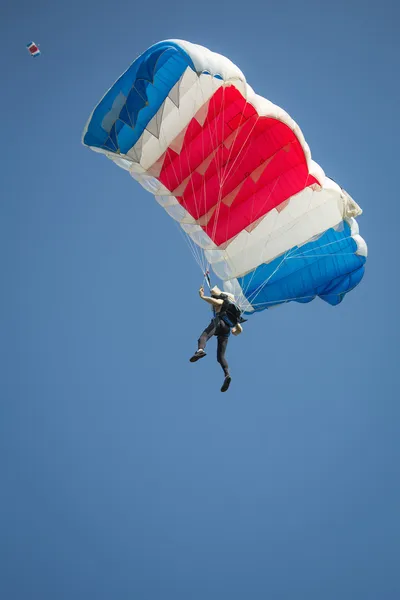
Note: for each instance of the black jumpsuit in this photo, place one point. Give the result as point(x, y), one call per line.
point(220, 329)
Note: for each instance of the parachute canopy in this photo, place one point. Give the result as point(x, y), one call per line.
point(33, 49)
point(235, 172)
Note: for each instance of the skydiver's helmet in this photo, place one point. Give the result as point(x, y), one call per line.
point(217, 293)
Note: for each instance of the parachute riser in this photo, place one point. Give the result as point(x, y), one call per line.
point(207, 279)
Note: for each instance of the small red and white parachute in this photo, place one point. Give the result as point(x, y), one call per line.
point(33, 49)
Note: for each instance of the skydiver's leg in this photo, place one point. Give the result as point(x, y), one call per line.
point(221, 349)
point(202, 341)
point(222, 344)
point(206, 335)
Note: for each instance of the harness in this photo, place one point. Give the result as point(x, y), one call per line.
point(230, 313)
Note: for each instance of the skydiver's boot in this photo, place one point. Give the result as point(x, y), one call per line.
point(197, 355)
point(227, 382)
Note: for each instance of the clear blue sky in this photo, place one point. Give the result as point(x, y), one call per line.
point(125, 473)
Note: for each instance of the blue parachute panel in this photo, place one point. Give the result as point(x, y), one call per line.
point(327, 267)
point(122, 115)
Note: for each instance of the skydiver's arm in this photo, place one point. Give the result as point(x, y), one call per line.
point(213, 301)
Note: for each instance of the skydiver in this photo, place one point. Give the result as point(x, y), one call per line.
point(226, 319)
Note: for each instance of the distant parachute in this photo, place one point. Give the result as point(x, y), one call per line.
point(33, 49)
point(236, 173)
